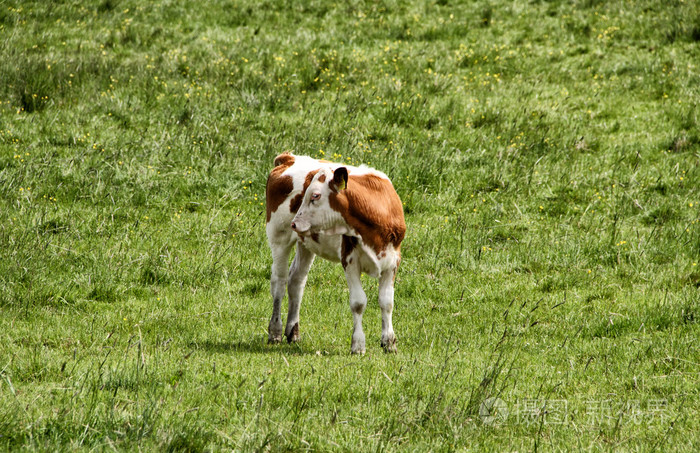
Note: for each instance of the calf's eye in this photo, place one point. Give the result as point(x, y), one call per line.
point(315, 196)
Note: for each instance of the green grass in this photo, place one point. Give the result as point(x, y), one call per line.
point(547, 154)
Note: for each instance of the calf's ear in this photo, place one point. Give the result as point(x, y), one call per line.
point(340, 179)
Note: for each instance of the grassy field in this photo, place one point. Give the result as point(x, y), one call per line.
point(547, 154)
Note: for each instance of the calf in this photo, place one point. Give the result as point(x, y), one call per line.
point(350, 215)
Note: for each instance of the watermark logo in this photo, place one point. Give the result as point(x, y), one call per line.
point(493, 411)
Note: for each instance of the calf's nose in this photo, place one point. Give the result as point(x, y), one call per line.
point(294, 226)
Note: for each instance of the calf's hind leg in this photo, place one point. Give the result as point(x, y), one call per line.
point(298, 273)
point(358, 302)
point(386, 304)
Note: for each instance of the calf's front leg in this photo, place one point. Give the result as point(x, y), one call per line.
point(298, 272)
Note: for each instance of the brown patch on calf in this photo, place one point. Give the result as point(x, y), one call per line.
point(278, 187)
point(295, 203)
point(346, 248)
point(371, 206)
point(286, 159)
point(359, 309)
point(396, 269)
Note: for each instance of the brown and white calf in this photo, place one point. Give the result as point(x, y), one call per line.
point(350, 215)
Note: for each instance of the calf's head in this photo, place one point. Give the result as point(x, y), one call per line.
point(315, 213)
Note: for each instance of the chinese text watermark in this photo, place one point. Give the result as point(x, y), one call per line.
point(495, 411)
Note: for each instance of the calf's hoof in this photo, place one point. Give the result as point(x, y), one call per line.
point(274, 334)
point(358, 345)
point(389, 344)
point(293, 334)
